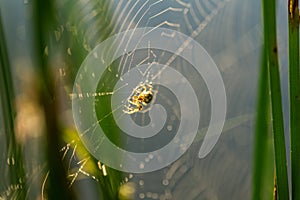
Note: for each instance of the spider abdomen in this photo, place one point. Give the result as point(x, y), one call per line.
point(148, 98)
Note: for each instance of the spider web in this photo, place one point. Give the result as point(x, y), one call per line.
point(233, 44)
point(191, 18)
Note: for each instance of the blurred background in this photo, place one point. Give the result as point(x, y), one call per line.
point(43, 45)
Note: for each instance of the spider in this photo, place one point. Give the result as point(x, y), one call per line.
point(142, 96)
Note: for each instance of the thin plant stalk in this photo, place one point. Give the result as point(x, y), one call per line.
point(262, 133)
point(270, 42)
point(294, 92)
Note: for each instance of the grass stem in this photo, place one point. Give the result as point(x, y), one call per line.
point(270, 46)
point(294, 92)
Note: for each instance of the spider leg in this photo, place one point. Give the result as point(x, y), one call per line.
point(138, 90)
point(150, 87)
point(134, 102)
point(144, 88)
point(130, 110)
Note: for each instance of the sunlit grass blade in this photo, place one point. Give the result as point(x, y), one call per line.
point(294, 88)
point(16, 170)
point(262, 178)
point(270, 42)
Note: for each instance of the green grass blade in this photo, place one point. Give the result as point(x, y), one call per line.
point(263, 167)
point(294, 87)
point(270, 42)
